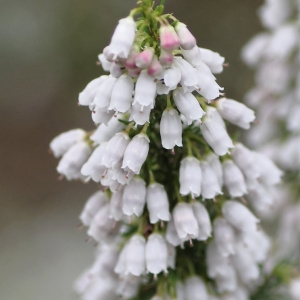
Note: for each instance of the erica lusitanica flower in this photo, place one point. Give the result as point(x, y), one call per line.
point(170, 215)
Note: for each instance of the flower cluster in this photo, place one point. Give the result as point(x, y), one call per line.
point(170, 215)
point(274, 54)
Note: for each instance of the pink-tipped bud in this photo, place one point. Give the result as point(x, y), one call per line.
point(143, 59)
point(155, 67)
point(187, 40)
point(130, 61)
point(169, 40)
point(166, 58)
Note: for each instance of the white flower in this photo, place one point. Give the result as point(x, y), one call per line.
point(193, 56)
point(103, 96)
point(213, 59)
point(170, 129)
point(104, 132)
point(92, 168)
point(227, 283)
point(190, 176)
point(269, 173)
point(210, 186)
point(188, 105)
point(92, 206)
point(122, 39)
point(128, 286)
point(73, 160)
point(171, 77)
point(203, 220)
point(114, 150)
point(116, 204)
point(224, 237)
point(86, 97)
point(246, 161)
point(235, 112)
point(121, 96)
point(132, 257)
point(171, 234)
point(245, 265)
point(214, 162)
point(145, 90)
point(187, 40)
point(156, 254)
point(239, 216)
point(157, 203)
point(101, 226)
point(215, 134)
point(63, 142)
point(134, 197)
point(195, 289)
point(185, 221)
point(106, 65)
point(102, 115)
point(136, 153)
point(140, 114)
point(171, 256)
point(189, 78)
point(233, 179)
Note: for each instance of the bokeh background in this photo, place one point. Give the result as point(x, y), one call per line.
point(48, 53)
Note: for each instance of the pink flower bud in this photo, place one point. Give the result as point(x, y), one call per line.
point(155, 67)
point(187, 40)
point(143, 59)
point(166, 58)
point(169, 40)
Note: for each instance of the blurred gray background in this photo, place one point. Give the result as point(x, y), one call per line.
point(48, 51)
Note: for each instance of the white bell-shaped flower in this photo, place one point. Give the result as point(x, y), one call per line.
point(239, 216)
point(92, 206)
point(193, 56)
point(190, 176)
point(102, 115)
point(195, 289)
point(128, 286)
point(156, 254)
point(140, 114)
point(187, 40)
point(185, 221)
point(134, 197)
point(136, 153)
point(189, 76)
point(104, 132)
point(116, 204)
point(63, 142)
point(217, 264)
point(103, 96)
point(213, 59)
point(171, 256)
point(123, 177)
point(233, 179)
point(115, 149)
point(92, 168)
point(203, 220)
point(171, 234)
point(73, 160)
point(270, 174)
point(132, 257)
point(214, 162)
point(145, 89)
point(86, 97)
point(214, 133)
point(122, 39)
point(121, 96)
point(224, 237)
point(170, 129)
point(245, 265)
point(246, 161)
point(157, 203)
point(102, 226)
point(105, 64)
point(210, 186)
point(227, 283)
point(235, 112)
point(188, 105)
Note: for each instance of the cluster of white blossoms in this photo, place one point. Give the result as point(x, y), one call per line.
point(275, 56)
point(170, 223)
